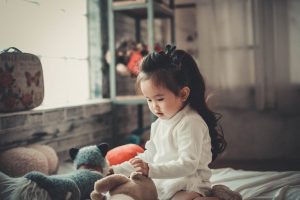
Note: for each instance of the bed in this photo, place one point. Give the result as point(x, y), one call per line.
point(256, 185)
point(260, 185)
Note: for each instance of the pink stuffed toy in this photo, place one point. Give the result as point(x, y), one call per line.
point(18, 161)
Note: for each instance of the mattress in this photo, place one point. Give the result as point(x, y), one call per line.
point(260, 185)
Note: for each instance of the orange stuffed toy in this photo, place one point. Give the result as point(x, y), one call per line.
point(123, 153)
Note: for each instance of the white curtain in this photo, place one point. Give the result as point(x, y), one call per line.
point(226, 50)
point(249, 52)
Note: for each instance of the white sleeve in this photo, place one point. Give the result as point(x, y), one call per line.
point(150, 149)
point(189, 138)
point(149, 152)
point(126, 168)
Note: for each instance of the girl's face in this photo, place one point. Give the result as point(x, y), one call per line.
point(161, 101)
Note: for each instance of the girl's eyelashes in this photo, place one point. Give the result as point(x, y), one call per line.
point(160, 99)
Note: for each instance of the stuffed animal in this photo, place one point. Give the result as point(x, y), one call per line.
point(128, 56)
point(90, 157)
point(222, 192)
point(77, 185)
point(137, 187)
point(18, 161)
point(51, 156)
point(123, 153)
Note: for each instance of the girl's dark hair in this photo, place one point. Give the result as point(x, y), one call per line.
point(175, 69)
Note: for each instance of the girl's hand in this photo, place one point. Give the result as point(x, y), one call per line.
point(140, 166)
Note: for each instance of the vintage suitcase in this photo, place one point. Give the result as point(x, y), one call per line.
point(21, 81)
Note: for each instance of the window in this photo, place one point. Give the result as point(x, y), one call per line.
point(56, 31)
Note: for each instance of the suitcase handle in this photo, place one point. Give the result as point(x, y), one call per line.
point(13, 48)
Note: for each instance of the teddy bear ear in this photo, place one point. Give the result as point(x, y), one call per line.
point(103, 148)
point(73, 152)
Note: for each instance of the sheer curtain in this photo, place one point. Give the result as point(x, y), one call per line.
point(226, 54)
point(288, 86)
point(277, 36)
point(249, 53)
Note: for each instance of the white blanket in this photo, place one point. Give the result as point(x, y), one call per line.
point(260, 185)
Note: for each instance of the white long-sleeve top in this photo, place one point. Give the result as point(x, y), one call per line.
point(178, 154)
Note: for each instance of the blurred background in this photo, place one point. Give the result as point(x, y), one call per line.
point(247, 50)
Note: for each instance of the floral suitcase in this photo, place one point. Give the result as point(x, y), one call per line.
point(21, 81)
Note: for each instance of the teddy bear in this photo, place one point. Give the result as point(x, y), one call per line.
point(89, 162)
point(117, 186)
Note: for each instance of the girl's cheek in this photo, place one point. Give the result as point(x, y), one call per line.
point(150, 106)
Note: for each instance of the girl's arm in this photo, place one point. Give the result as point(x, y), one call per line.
point(126, 168)
point(147, 156)
point(149, 152)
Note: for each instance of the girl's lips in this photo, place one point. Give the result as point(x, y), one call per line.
point(159, 114)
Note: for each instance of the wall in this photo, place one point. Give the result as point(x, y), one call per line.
point(126, 124)
point(264, 140)
point(61, 128)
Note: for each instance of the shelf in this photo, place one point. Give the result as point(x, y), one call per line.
point(138, 9)
point(128, 5)
point(129, 100)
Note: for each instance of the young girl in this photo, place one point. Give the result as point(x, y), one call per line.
point(184, 139)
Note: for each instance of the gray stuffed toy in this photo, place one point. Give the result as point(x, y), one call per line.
point(90, 163)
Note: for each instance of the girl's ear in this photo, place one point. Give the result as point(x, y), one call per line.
point(184, 93)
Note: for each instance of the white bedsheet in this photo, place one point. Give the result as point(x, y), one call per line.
point(260, 185)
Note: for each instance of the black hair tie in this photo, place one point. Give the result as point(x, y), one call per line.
point(170, 49)
point(175, 58)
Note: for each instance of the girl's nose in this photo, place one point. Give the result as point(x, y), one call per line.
point(155, 104)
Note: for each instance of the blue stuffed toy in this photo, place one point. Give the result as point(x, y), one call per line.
point(90, 165)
